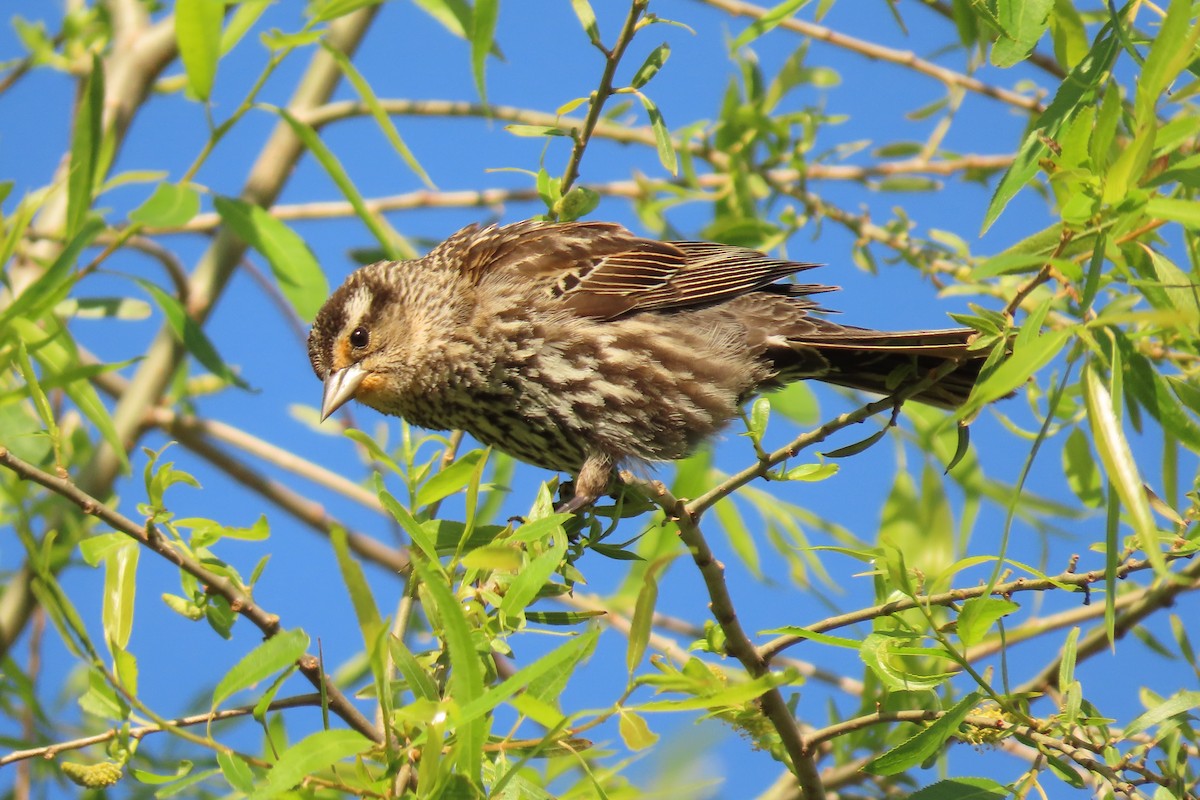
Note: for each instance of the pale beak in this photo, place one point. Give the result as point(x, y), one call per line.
point(340, 387)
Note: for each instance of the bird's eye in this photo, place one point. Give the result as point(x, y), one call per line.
point(359, 338)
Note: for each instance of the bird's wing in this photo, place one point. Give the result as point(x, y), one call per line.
point(603, 271)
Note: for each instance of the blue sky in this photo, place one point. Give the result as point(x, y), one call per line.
point(547, 63)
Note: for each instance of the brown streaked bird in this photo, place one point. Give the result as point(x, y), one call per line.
point(581, 347)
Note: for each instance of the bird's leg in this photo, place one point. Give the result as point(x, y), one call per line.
point(590, 484)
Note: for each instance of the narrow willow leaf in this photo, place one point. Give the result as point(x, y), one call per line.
point(295, 268)
point(926, 743)
point(381, 117)
point(735, 695)
point(448, 481)
point(170, 206)
point(312, 754)
point(1087, 75)
point(562, 617)
point(120, 590)
point(193, 337)
point(198, 32)
point(533, 578)
point(963, 789)
point(1079, 467)
point(85, 148)
point(650, 67)
point(466, 673)
point(241, 21)
point(767, 22)
point(420, 682)
point(1170, 52)
point(55, 351)
point(1177, 704)
point(365, 610)
point(560, 660)
point(662, 136)
point(236, 771)
point(420, 537)
point(1066, 663)
point(587, 18)
point(483, 31)
point(1185, 212)
point(1120, 465)
point(337, 173)
point(275, 654)
point(52, 285)
point(642, 621)
point(332, 9)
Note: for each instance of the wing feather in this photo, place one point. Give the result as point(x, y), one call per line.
point(603, 271)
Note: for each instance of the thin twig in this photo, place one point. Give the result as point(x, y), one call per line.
point(140, 732)
point(876, 52)
point(604, 91)
point(239, 600)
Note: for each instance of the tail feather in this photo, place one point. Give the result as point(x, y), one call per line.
point(884, 362)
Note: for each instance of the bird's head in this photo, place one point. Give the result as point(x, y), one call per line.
point(374, 338)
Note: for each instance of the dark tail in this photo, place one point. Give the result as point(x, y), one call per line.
point(881, 362)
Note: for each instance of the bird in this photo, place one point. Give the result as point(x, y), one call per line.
point(583, 348)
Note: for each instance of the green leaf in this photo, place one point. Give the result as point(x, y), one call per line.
point(85, 148)
point(337, 173)
point(979, 614)
point(560, 660)
point(926, 743)
point(1120, 465)
point(733, 696)
point(1170, 52)
point(55, 351)
point(330, 10)
point(642, 622)
point(1029, 355)
point(1079, 467)
point(662, 136)
point(52, 285)
point(466, 673)
point(767, 22)
point(635, 733)
point(1088, 75)
point(1177, 704)
point(310, 755)
point(483, 31)
point(299, 275)
point(198, 32)
point(587, 18)
point(1185, 212)
point(120, 589)
point(420, 537)
point(170, 206)
point(419, 681)
point(236, 771)
point(275, 654)
point(650, 67)
point(448, 481)
point(381, 117)
point(194, 340)
point(365, 610)
point(533, 578)
point(1022, 23)
point(963, 789)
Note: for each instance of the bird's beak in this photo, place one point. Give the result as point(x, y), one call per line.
point(340, 387)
